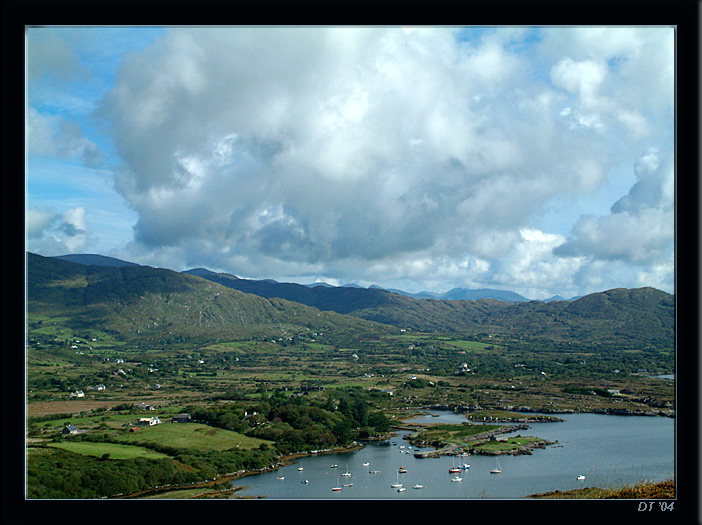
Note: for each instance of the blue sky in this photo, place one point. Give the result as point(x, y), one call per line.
point(533, 159)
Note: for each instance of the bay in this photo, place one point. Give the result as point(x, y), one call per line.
point(608, 450)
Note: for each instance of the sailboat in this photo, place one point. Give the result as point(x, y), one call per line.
point(497, 469)
point(581, 477)
point(454, 469)
point(397, 483)
point(338, 487)
point(347, 473)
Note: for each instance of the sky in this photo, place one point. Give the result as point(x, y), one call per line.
point(533, 159)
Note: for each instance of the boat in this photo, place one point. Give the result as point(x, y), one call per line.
point(366, 464)
point(281, 477)
point(334, 466)
point(402, 470)
point(348, 484)
point(300, 468)
point(338, 487)
point(304, 482)
point(374, 472)
point(347, 473)
point(497, 469)
point(397, 483)
point(418, 486)
point(454, 469)
point(401, 489)
point(581, 477)
point(465, 466)
point(456, 478)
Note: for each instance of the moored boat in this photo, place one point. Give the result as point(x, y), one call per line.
point(498, 468)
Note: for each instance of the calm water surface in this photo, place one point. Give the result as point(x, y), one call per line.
point(607, 450)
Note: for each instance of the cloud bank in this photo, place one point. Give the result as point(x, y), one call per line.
point(420, 158)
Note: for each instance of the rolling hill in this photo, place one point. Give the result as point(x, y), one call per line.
point(136, 302)
point(636, 317)
point(643, 316)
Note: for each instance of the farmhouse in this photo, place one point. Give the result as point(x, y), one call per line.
point(69, 429)
point(181, 418)
point(144, 406)
point(150, 421)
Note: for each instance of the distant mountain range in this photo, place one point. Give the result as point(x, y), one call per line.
point(456, 294)
point(128, 296)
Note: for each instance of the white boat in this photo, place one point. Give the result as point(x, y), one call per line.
point(456, 478)
point(374, 472)
point(366, 464)
point(497, 469)
point(300, 468)
point(401, 489)
point(334, 466)
point(418, 486)
point(465, 466)
point(581, 477)
point(348, 484)
point(347, 473)
point(304, 482)
point(281, 477)
point(402, 470)
point(397, 483)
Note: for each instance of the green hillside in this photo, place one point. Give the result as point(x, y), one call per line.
point(145, 302)
point(643, 316)
point(140, 302)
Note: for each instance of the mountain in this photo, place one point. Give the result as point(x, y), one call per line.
point(464, 294)
point(643, 316)
point(136, 302)
point(94, 259)
point(461, 294)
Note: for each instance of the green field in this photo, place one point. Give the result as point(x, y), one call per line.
point(507, 445)
point(114, 450)
point(471, 345)
point(192, 435)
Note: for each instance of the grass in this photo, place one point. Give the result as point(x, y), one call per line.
point(114, 450)
point(509, 444)
point(192, 435)
point(456, 434)
point(662, 490)
point(471, 345)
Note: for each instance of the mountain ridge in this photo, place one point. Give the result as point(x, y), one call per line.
point(643, 316)
point(459, 294)
point(142, 301)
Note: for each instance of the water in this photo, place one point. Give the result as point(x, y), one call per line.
point(607, 450)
